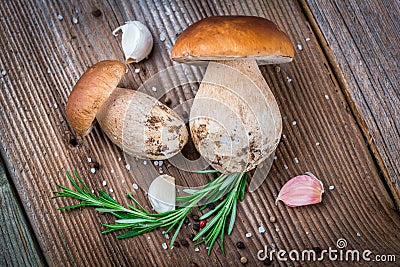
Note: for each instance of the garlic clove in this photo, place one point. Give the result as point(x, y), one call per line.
point(301, 190)
point(137, 41)
point(162, 193)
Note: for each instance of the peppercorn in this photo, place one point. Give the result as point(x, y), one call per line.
point(96, 165)
point(184, 243)
point(272, 219)
point(211, 206)
point(176, 244)
point(195, 217)
point(196, 227)
point(186, 220)
point(96, 13)
point(191, 236)
point(73, 142)
point(243, 260)
point(168, 101)
point(240, 245)
point(202, 223)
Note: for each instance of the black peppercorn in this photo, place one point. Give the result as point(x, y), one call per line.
point(195, 217)
point(96, 13)
point(184, 243)
point(240, 245)
point(191, 236)
point(211, 206)
point(176, 244)
point(96, 165)
point(196, 227)
point(73, 142)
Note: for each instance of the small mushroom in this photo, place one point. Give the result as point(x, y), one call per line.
point(235, 121)
point(138, 123)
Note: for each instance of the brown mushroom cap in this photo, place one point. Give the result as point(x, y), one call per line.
point(233, 37)
point(90, 92)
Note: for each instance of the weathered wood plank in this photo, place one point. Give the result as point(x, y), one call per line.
point(18, 245)
point(362, 39)
point(44, 56)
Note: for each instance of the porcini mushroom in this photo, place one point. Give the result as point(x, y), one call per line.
point(136, 122)
point(235, 121)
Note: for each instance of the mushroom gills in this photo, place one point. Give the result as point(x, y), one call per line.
point(141, 125)
point(235, 121)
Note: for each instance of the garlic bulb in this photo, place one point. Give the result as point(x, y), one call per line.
point(137, 41)
point(162, 193)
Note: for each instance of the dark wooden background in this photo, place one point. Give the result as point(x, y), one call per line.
point(344, 95)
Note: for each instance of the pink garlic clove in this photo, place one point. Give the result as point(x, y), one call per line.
point(301, 190)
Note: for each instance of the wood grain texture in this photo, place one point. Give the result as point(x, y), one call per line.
point(18, 245)
point(44, 56)
point(362, 40)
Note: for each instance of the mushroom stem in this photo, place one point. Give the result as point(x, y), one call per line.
point(235, 120)
point(141, 125)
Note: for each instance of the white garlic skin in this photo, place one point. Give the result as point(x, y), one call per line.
point(137, 41)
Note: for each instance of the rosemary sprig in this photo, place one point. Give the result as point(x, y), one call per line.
point(136, 220)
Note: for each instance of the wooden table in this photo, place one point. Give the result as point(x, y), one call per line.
point(342, 90)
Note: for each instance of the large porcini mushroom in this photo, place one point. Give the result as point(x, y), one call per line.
point(136, 122)
point(235, 121)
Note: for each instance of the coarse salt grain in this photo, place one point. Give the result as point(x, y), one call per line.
point(164, 245)
point(162, 37)
point(89, 159)
point(92, 191)
point(160, 170)
point(160, 163)
point(144, 162)
point(358, 234)
point(112, 171)
point(308, 39)
point(128, 167)
point(300, 47)
point(155, 163)
point(261, 229)
point(283, 136)
point(248, 235)
point(166, 236)
point(307, 233)
point(92, 170)
point(288, 79)
point(59, 17)
point(75, 20)
point(135, 186)
point(277, 229)
point(48, 70)
point(154, 89)
point(123, 181)
point(137, 70)
point(296, 160)
point(317, 143)
point(285, 166)
point(294, 123)
point(331, 187)
point(104, 183)
point(327, 97)
point(275, 157)
point(119, 159)
point(196, 249)
point(111, 190)
point(55, 105)
point(3, 72)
